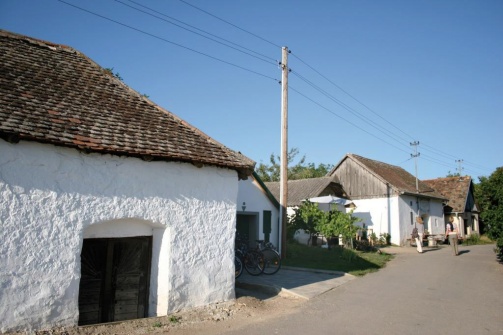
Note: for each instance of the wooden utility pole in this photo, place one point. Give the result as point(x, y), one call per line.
point(283, 190)
point(460, 167)
point(415, 144)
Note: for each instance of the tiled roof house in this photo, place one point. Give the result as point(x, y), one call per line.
point(387, 199)
point(54, 94)
point(461, 204)
point(105, 197)
point(302, 189)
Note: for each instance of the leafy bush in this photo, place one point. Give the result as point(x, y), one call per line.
point(473, 239)
point(499, 248)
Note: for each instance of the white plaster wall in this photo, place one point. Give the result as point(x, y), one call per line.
point(51, 198)
point(433, 212)
point(379, 215)
point(251, 193)
point(437, 223)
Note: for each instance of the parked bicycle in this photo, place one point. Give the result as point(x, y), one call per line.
point(252, 260)
point(238, 265)
point(272, 258)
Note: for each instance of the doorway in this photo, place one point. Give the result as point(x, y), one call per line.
point(115, 276)
point(247, 227)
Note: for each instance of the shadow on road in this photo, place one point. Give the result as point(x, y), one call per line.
point(255, 293)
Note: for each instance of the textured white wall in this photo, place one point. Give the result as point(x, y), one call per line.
point(50, 199)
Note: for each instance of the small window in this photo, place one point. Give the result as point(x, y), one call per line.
point(411, 203)
point(411, 218)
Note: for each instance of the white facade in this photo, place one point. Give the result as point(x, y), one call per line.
point(51, 198)
point(251, 204)
point(397, 216)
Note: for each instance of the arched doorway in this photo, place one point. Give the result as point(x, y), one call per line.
point(115, 278)
point(115, 275)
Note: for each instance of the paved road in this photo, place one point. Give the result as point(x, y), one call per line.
point(429, 293)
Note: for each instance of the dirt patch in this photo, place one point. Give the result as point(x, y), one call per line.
point(213, 319)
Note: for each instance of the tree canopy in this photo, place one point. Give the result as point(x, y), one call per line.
point(489, 193)
point(314, 221)
point(299, 170)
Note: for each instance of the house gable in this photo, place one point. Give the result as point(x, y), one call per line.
point(364, 178)
point(459, 192)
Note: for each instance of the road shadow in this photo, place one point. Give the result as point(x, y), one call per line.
point(463, 252)
point(257, 292)
point(430, 249)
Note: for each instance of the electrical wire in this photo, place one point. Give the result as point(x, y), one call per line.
point(248, 52)
point(168, 41)
point(382, 129)
point(231, 24)
point(344, 119)
point(428, 148)
point(348, 108)
point(350, 95)
point(264, 58)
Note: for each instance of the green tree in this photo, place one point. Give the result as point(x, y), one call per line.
point(305, 217)
point(314, 221)
point(490, 197)
point(335, 223)
point(299, 170)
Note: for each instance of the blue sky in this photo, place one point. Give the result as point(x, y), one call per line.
point(386, 73)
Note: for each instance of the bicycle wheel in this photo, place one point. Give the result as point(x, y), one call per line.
point(272, 261)
point(254, 262)
point(238, 266)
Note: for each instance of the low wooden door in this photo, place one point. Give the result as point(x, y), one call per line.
point(115, 277)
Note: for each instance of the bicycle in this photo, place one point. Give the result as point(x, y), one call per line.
point(252, 260)
point(238, 266)
point(272, 258)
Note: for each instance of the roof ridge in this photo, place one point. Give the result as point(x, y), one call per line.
point(102, 121)
point(37, 41)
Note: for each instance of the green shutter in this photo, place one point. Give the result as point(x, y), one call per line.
point(267, 225)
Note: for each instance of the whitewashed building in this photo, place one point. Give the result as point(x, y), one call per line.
point(111, 208)
point(257, 212)
point(461, 205)
point(386, 198)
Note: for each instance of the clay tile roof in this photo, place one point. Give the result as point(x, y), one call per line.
point(397, 177)
point(453, 188)
point(53, 94)
point(301, 189)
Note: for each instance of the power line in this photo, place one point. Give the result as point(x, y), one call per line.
point(342, 118)
point(231, 24)
point(348, 108)
point(350, 95)
point(168, 41)
point(247, 52)
point(434, 150)
point(307, 81)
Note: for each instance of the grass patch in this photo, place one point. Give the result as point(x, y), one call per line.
point(475, 239)
point(174, 319)
point(354, 262)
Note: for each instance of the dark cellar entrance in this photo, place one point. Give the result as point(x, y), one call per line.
point(115, 275)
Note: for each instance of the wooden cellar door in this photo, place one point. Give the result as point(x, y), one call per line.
point(115, 278)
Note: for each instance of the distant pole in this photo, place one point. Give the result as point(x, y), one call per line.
point(460, 168)
point(415, 144)
point(283, 190)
